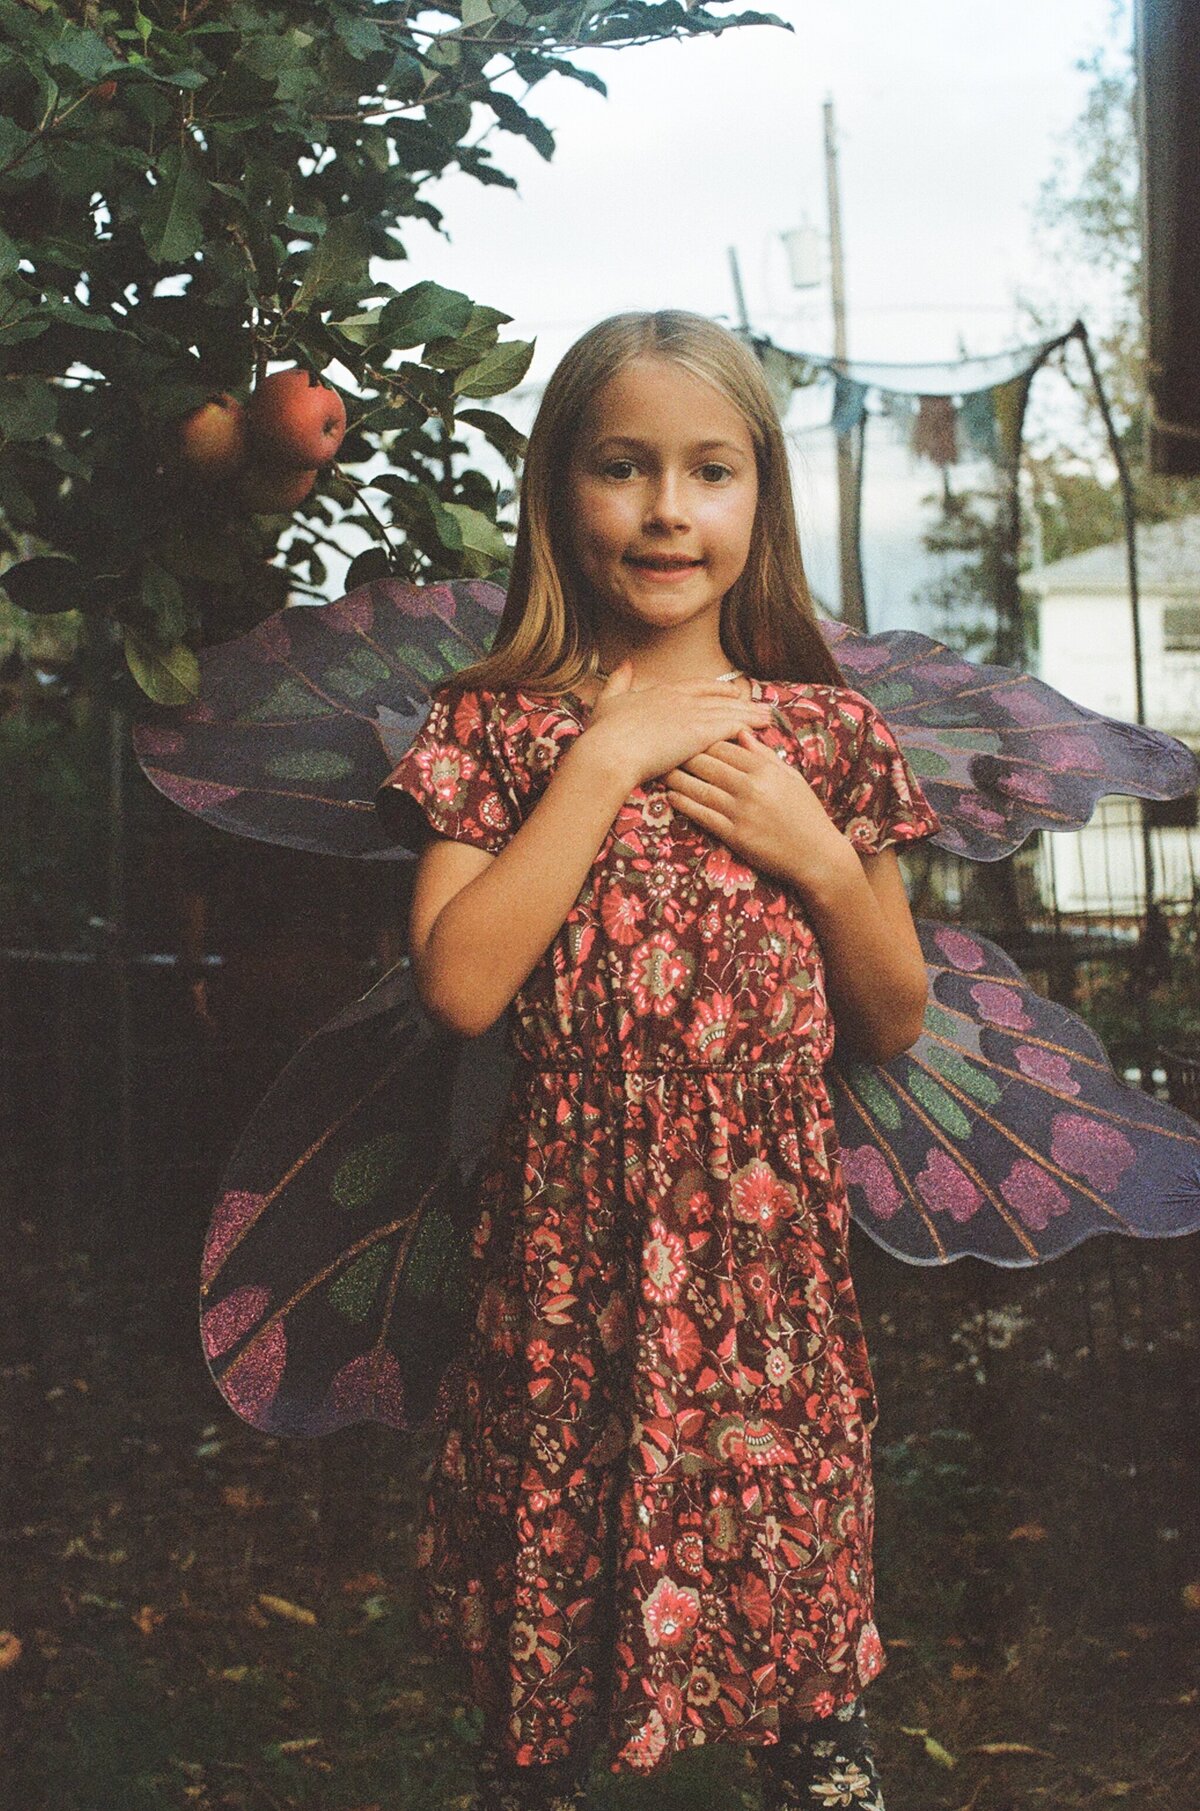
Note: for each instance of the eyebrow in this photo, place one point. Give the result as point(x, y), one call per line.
point(643, 446)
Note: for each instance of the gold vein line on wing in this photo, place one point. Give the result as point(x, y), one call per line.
point(980, 1181)
point(900, 1174)
point(301, 1162)
point(1027, 1150)
point(263, 792)
point(1098, 1063)
point(411, 1220)
point(1068, 1100)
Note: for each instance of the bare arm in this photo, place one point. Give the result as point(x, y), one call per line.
point(874, 969)
point(480, 923)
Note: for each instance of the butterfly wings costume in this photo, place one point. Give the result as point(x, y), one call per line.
point(604, 1245)
point(333, 1268)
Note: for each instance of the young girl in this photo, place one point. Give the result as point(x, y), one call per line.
point(663, 829)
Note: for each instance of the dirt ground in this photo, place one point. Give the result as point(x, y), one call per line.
point(198, 1616)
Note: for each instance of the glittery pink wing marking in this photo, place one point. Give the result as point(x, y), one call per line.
point(1004, 1132)
point(334, 1281)
point(299, 722)
point(998, 753)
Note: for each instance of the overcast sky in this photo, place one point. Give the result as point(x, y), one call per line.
point(949, 115)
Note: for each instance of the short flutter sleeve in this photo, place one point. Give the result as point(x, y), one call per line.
point(878, 799)
point(451, 779)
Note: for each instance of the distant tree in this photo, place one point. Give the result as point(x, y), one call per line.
point(1089, 218)
point(196, 192)
point(971, 603)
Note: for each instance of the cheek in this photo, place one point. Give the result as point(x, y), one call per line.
point(600, 523)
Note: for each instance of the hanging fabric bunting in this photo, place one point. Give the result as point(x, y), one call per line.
point(901, 411)
point(977, 415)
point(849, 404)
point(1009, 403)
point(782, 374)
point(935, 435)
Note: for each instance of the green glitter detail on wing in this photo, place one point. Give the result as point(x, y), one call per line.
point(355, 1290)
point(310, 764)
point(878, 1099)
point(935, 1100)
point(968, 1076)
point(364, 1175)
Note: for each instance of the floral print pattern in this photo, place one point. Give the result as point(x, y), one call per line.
point(650, 1518)
point(819, 1766)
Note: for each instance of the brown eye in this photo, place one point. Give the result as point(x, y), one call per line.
point(714, 472)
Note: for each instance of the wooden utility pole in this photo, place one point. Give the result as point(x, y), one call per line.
point(854, 609)
point(735, 271)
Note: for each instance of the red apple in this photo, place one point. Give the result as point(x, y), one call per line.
point(296, 421)
point(212, 439)
point(267, 492)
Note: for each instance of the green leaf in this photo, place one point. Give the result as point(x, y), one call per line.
point(9, 256)
point(168, 676)
point(497, 371)
point(45, 585)
point(28, 409)
point(424, 312)
point(162, 600)
point(368, 566)
point(476, 12)
point(171, 225)
point(341, 260)
point(85, 53)
point(362, 37)
point(360, 329)
point(506, 439)
point(479, 536)
point(514, 118)
point(446, 525)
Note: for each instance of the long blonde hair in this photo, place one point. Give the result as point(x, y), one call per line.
point(769, 628)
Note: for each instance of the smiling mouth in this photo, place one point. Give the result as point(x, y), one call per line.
point(661, 564)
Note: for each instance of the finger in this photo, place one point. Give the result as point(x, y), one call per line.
point(704, 793)
point(694, 808)
point(720, 755)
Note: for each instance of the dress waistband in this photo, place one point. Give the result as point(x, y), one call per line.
point(801, 1061)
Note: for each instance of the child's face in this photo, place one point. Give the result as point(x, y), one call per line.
point(662, 490)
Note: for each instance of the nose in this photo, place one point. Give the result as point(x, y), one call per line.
point(665, 506)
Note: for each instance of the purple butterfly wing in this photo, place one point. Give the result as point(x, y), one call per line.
point(1004, 1133)
point(335, 1284)
point(298, 722)
point(998, 753)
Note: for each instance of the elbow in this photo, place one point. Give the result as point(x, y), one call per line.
point(892, 1036)
point(461, 1017)
point(906, 1026)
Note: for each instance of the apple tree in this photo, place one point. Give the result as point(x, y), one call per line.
point(197, 194)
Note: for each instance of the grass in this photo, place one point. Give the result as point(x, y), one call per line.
point(208, 1618)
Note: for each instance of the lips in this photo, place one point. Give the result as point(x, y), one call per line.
point(660, 563)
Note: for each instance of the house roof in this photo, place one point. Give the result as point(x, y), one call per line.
point(1168, 556)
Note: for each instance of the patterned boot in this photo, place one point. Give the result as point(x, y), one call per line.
point(502, 1786)
point(822, 1765)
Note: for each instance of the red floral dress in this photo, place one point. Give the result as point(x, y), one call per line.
point(650, 1519)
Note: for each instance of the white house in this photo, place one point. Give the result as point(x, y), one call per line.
point(1086, 651)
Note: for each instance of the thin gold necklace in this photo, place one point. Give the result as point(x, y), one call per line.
point(735, 674)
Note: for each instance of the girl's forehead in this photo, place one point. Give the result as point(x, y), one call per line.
point(655, 398)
